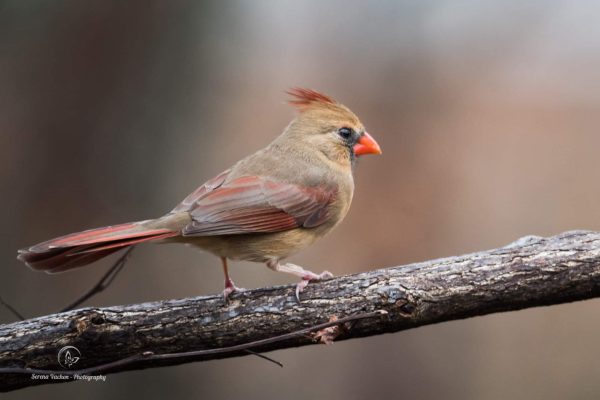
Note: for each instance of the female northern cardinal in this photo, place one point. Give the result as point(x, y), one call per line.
point(263, 209)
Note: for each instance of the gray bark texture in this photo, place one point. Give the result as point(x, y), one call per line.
point(530, 272)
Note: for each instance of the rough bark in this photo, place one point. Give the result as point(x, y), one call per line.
point(530, 272)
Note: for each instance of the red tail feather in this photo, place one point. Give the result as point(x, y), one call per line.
point(81, 248)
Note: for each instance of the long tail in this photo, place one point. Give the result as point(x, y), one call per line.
point(81, 248)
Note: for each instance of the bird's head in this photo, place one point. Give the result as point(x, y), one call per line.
point(328, 126)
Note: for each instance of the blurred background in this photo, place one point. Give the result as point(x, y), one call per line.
point(488, 114)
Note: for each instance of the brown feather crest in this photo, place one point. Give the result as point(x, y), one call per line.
point(306, 98)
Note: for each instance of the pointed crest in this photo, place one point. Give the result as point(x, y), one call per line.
point(307, 98)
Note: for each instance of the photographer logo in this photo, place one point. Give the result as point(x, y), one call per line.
point(68, 356)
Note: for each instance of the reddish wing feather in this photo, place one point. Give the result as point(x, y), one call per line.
point(197, 194)
point(254, 204)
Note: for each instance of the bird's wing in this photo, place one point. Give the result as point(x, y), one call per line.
point(253, 204)
point(188, 203)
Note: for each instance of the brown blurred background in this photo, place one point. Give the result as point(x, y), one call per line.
point(488, 114)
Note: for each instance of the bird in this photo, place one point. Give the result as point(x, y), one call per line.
point(265, 208)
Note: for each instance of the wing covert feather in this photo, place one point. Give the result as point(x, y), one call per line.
point(252, 204)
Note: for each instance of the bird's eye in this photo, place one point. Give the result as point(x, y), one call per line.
point(345, 132)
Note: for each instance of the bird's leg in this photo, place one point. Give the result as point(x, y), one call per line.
point(297, 270)
point(229, 285)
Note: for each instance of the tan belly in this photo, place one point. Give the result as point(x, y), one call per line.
point(255, 247)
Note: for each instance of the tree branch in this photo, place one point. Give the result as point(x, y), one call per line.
point(530, 272)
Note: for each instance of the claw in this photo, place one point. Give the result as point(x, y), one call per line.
point(310, 277)
point(230, 288)
point(300, 288)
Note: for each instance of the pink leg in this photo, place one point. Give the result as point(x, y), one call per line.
point(229, 285)
point(307, 276)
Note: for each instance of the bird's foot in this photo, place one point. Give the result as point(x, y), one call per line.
point(230, 288)
point(309, 276)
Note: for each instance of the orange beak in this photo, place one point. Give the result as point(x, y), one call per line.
point(366, 145)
